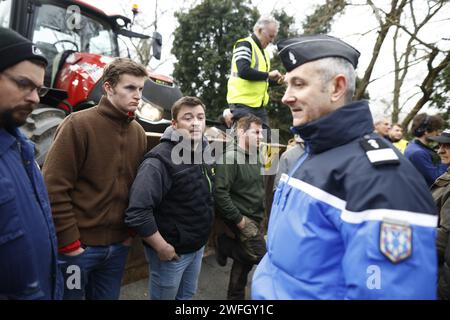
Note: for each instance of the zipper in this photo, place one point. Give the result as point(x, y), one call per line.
point(207, 178)
point(285, 194)
point(297, 166)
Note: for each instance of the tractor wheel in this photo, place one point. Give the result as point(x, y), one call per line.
point(40, 128)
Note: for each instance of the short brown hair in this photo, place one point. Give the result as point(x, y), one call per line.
point(423, 123)
point(245, 122)
point(186, 101)
point(121, 66)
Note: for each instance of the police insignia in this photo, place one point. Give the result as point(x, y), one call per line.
point(292, 57)
point(378, 151)
point(395, 240)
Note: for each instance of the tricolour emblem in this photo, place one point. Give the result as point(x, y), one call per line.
point(395, 240)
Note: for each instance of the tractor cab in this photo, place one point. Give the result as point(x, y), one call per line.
point(79, 40)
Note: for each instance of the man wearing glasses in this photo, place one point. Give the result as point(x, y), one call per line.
point(28, 250)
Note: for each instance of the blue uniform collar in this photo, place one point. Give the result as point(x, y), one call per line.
point(347, 123)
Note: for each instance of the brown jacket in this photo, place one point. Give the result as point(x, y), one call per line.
point(89, 171)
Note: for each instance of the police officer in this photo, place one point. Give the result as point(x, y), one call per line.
point(250, 72)
point(352, 220)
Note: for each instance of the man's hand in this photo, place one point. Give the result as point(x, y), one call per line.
point(167, 253)
point(241, 225)
point(77, 252)
point(275, 75)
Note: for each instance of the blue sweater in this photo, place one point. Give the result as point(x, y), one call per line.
point(422, 158)
point(28, 249)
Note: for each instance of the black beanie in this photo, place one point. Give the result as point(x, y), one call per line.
point(14, 48)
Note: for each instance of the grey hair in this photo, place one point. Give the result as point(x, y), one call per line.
point(379, 120)
point(264, 21)
point(332, 66)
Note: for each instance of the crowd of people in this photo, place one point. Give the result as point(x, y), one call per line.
point(357, 213)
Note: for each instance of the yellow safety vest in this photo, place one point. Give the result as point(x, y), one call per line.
point(250, 92)
point(401, 145)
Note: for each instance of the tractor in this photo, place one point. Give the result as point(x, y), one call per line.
point(79, 40)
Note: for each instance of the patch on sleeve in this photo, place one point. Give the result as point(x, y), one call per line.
point(378, 151)
point(395, 240)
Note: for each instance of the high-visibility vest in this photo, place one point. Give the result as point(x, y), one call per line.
point(250, 92)
point(401, 145)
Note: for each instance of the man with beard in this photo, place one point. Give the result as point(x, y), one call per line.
point(239, 200)
point(28, 256)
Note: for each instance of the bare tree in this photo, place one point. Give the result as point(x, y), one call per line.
point(409, 18)
point(386, 21)
point(141, 48)
point(404, 60)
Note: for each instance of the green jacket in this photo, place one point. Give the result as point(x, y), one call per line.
point(239, 187)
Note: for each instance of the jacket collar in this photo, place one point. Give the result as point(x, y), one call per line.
point(106, 108)
point(423, 146)
point(174, 136)
point(337, 128)
point(7, 139)
point(255, 38)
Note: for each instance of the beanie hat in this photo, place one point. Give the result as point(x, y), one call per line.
point(14, 49)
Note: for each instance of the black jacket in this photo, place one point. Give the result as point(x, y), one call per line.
point(173, 198)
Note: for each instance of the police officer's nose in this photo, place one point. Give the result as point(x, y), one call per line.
point(288, 99)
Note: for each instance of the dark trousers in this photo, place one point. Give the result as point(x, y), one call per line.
point(245, 251)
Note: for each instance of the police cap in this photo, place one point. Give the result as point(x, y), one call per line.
point(443, 138)
point(297, 51)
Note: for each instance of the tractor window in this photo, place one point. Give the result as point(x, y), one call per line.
point(57, 30)
point(5, 13)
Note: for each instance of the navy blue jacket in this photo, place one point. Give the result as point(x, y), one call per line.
point(422, 158)
point(173, 196)
point(342, 227)
point(28, 249)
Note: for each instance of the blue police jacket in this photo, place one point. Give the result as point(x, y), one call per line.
point(352, 220)
point(28, 247)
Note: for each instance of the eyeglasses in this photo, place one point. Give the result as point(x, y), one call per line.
point(27, 85)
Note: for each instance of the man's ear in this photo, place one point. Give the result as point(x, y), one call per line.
point(339, 88)
point(174, 123)
point(107, 88)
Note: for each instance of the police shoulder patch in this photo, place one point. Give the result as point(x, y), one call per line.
point(395, 240)
point(378, 151)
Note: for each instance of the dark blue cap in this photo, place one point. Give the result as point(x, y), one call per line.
point(296, 51)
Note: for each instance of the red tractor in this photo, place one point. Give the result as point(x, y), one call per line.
point(79, 40)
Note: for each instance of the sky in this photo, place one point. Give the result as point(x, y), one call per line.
point(357, 20)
